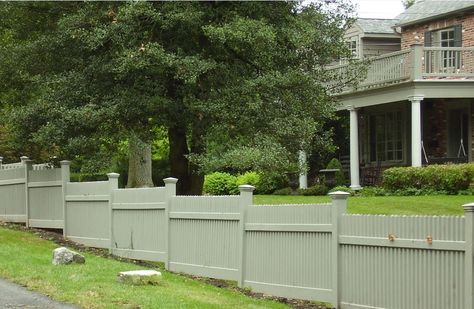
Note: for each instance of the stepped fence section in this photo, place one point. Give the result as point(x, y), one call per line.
point(313, 252)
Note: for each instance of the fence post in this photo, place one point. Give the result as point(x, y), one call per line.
point(469, 256)
point(113, 185)
point(65, 178)
point(1, 162)
point(170, 187)
point(339, 207)
point(246, 199)
point(416, 61)
point(28, 166)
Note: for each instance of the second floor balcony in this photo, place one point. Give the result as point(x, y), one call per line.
point(418, 63)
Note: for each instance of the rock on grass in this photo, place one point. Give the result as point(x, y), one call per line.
point(63, 255)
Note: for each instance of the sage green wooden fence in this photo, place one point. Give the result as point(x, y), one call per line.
point(314, 252)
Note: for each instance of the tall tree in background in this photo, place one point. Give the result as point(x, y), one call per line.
point(237, 85)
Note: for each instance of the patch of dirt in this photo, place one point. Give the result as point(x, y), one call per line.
point(56, 236)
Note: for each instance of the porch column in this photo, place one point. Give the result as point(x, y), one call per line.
point(303, 170)
point(354, 145)
point(416, 130)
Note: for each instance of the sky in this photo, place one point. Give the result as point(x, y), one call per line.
point(379, 8)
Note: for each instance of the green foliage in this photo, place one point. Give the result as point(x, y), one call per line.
point(249, 178)
point(339, 177)
point(270, 181)
point(219, 183)
point(372, 191)
point(450, 178)
point(240, 85)
point(344, 189)
point(284, 191)
point(316, 190)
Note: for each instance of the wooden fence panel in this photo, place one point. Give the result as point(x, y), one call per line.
point(288, 251)
point(12, 193)
point(139, 228)
point(45, 198)
point(204, 236)
point(402, 262)
point(88, 213)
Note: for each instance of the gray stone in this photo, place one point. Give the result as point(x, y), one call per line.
point(140, 277)
point(63, 255)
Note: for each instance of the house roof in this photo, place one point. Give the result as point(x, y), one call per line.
point(379, 26)
point(423, 10)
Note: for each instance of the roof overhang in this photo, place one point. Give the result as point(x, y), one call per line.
point(422, 20)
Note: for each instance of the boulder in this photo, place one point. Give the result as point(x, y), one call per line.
point(139, 277)
point(63, 255)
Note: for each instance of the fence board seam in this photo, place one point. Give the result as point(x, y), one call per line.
point(273, 227)
point(402, 243)
point(12, 182)
point(138, 206)
point(204, 215)
point(43, 184)
point(88, 198)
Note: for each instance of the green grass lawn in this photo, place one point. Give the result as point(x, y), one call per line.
point(384, 205)
point(26, 259)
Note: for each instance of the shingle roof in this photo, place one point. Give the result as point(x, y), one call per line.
point(428, 9)
point(371, 25)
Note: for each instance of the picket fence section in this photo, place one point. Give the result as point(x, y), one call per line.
point(313, 252)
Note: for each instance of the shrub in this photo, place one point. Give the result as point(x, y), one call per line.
point(219, 183)
point(249, 178)
point(339, 177)
point(342, 188)
point(372, 191)
point(450, 178)
point(284, 191)
point(269, 182)
point(314, 190)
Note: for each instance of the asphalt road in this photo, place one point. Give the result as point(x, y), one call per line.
point(15, 296)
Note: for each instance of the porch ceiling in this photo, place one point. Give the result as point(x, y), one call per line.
point(443, 88)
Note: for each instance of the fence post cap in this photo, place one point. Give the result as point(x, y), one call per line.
point(246, 188)
point(170, 180)
point(339, 195)
point(468, 207)
point(65, 162)
point(24, 158)
point(1, 158)
point(113, 175)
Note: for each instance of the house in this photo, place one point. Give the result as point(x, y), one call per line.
point(370, 37)
point(416, 105)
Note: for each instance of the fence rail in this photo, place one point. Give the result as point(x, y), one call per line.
point(314, 252)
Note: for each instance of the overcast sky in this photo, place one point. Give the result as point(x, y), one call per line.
point(379, 8)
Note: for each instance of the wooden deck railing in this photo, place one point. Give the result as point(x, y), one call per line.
point(416, 63)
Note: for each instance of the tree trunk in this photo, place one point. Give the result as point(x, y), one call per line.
point(179, 164)
point(139, 163)
point(197, 147)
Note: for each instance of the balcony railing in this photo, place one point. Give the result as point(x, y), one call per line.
point(417, 63)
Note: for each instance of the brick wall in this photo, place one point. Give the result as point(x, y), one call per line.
point(467, 20)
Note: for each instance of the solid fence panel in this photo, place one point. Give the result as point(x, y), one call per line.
point(139, 228)
point(402, 262)
point(288, 251)
point(88, 213)
point(204, 236)
point(45, 198)
point(12, 192)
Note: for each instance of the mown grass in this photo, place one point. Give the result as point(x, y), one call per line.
point(26, 259)
point(438, 205)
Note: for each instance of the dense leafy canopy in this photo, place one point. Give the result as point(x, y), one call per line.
point(237, 85)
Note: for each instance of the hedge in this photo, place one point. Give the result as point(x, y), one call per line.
point(450, 178)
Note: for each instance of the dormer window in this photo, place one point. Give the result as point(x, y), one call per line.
point(446, 59)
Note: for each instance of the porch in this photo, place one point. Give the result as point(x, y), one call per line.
point(415, 107)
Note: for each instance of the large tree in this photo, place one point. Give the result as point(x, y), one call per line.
point(237, 85)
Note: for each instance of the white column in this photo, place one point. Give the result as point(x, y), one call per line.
point(354, 145)
point(303, 170)
point(415, 130)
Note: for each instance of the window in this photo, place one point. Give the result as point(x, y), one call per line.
point(444, 61)
point(353, 47)
point(385, 137)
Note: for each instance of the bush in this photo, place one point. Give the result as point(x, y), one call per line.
point(450, 178)
point(339, 177)
point(219, 183)
point(372, 191)
point(342, 188)
point(269, 182)
point(284, 191)
point(249, 178)
point(314, 190)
